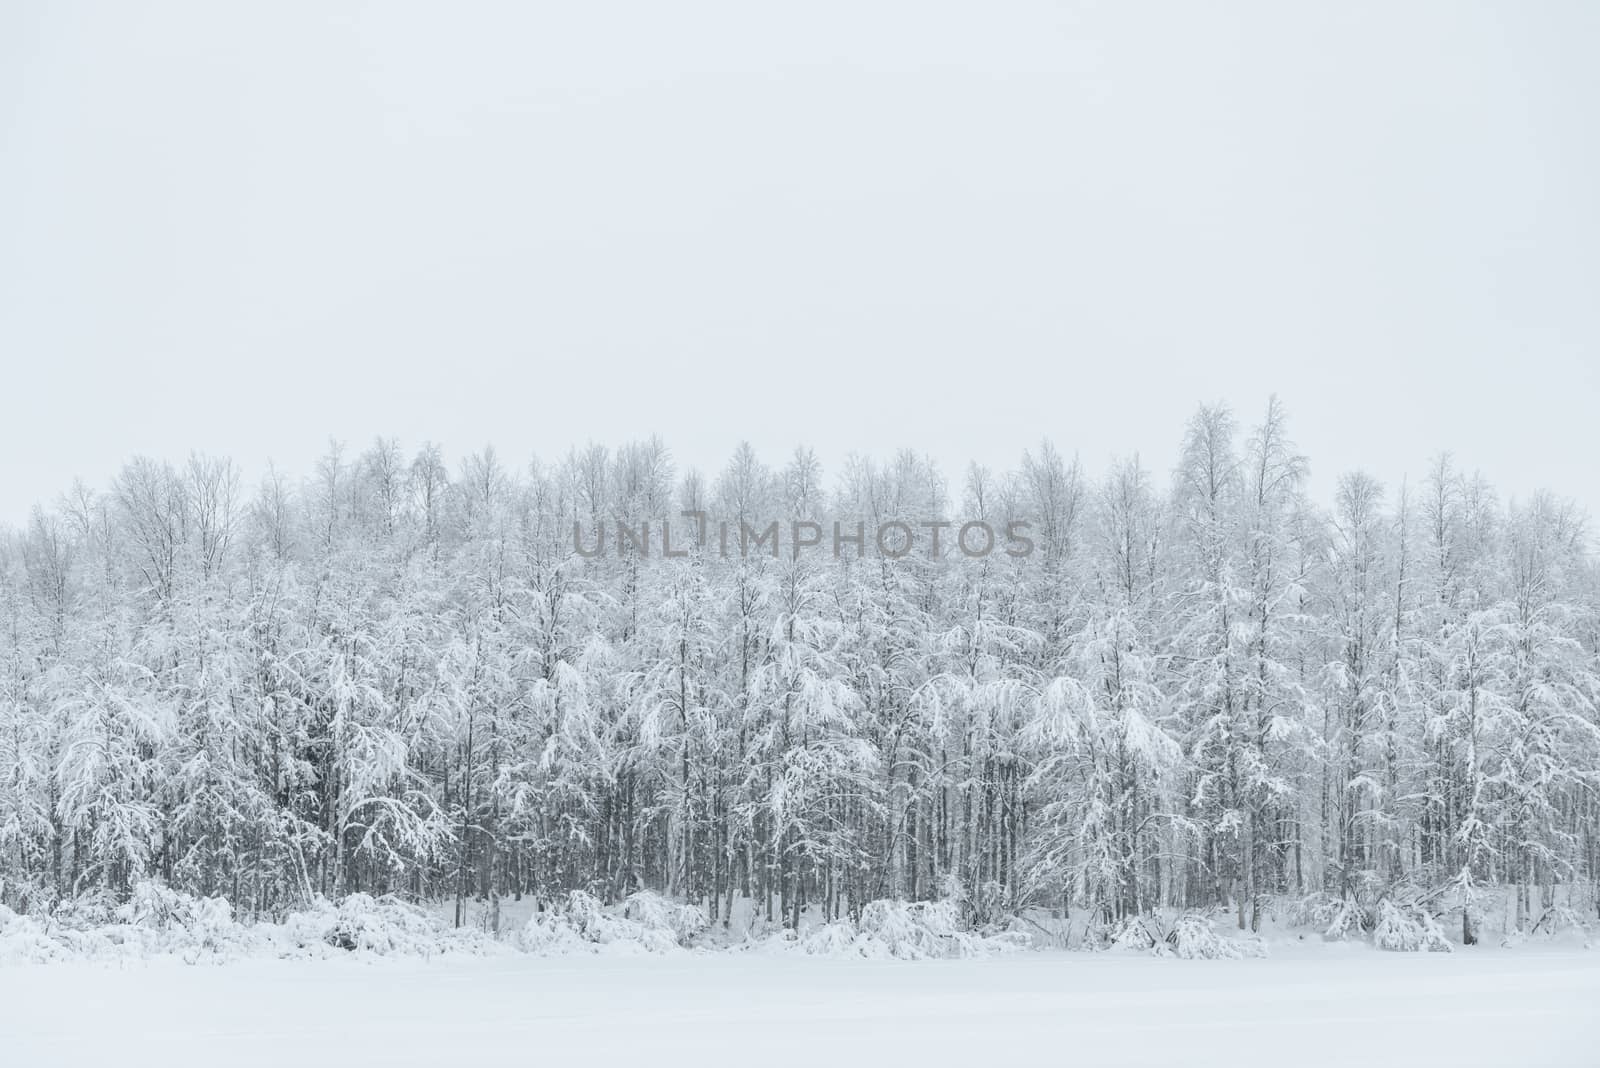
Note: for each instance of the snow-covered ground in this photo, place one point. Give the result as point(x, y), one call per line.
point(1320, 1005)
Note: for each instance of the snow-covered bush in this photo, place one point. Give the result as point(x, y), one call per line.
point(1193, 938)
point(86, 912)
point(644, 923)
point(383, 925)
point(25, 940)
point(987, 908)
point(1142, 934)
point(1041, 930)
point(902, 930)
point(1344, 919)
point(155, 920)
point(1558, 920)
point(1317, 910)
point(363, 922)
point(165, 920)
point(655, 912)
point(918, 929)
point(1408, 929)
point(839, 938)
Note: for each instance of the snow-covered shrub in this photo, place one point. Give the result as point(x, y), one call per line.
point(1142, 934)
point(902, 930)
point(840, 938)
point(191, 922)
point(645, 923)
point(1193, 938)
point(917, 930)
point(383, 925)
point(561, 927)
point(1041, 930)
point(1408, 929)
point(1190, 937)
point(86, 912)
point(1346, 918)
point(1558, 920)
point(655, 912)
point(155, 920)
point(1356, 910)
point(36, 940)
point(158, 919)
point(24, 940)
point(987, 909)
point(1318, 910)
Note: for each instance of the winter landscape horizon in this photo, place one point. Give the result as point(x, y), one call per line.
point(869, 532)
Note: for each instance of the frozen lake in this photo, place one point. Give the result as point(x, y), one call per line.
point(1331, 1005)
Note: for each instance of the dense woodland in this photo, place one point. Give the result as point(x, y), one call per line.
point(1203, 687)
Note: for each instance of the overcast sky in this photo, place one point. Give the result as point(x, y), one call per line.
point(859, 225)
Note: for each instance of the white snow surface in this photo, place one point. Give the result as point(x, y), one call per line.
point(1317, 1005)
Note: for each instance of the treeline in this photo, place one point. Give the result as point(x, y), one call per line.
point(393, 676)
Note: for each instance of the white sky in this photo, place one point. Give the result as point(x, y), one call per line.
point(860, 225)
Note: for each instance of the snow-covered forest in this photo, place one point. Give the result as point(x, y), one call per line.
point(395, 674)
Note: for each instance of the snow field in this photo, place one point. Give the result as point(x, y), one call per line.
point(1322, 1005)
